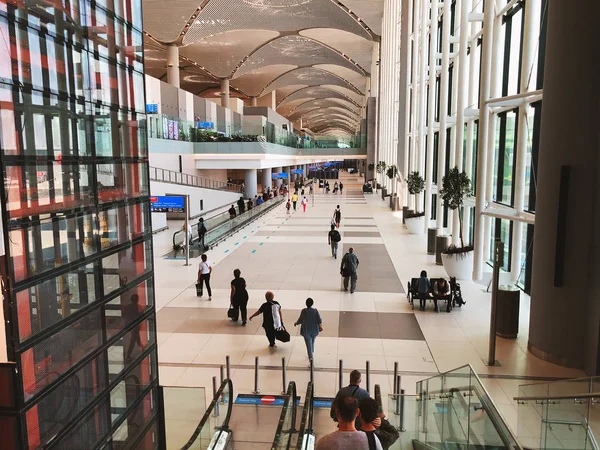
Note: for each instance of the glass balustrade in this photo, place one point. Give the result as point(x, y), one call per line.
point(162, 126)
point(454, 410)
point(404, 414)
point(561, 414)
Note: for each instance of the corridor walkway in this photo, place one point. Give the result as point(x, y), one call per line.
point(289, 255)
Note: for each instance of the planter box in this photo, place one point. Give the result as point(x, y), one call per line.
point(415, 225)
point(459, 266)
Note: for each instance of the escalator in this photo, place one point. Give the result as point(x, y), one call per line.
point(226, 425)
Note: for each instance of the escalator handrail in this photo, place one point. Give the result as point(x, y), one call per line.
point(307, 416)
point(292, 397)
point(225, 426)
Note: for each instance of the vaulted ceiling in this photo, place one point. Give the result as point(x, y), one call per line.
point(315, 54)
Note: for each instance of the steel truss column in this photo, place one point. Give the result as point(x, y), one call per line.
point(482, 142)
point(431, 113)
point(446, 32)
point(531, 28)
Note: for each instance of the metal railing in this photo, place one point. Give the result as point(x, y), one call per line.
point(185, 179)
point(286, 428)
point(306, 437)
point(559, 414)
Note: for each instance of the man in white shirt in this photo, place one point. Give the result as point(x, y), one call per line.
point(204, 271)
point(347, 438)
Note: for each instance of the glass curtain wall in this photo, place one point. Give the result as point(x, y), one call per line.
point(513, 37)
point(79, 290)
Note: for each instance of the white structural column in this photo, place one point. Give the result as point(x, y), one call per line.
point(422, 114)
point(388, 92)
point(446, 30)
point(461, 99)
point(279, 181)
point(251, 181)
point(495, 92)
point(473, 83)
point(431, 113)
point(414, 98)
point(266, 178)
point(482, 142)
point(405, 144)
point(530, 37)
point(173, 65)
point(225, 92)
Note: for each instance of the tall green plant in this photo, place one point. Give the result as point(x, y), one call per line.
point(455, 186)
point(415, 184)
point(392, 172)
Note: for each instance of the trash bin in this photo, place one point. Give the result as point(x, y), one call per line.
point(383, 193)
point(507, 312)
point(441, 244)
point(431, 235)
point(394, 202)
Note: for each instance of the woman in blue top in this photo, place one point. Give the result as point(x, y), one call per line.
point(310, 321)
point(424, 287)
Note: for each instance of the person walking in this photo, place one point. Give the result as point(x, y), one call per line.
point(349, 268)
point(347, 437)
point(333, 238)
point(239, 297)
point(335, 187)
point(304, 203)
point(341, 188)
point(294, 200)
point(201, 233)
point(272, 318)
point(232, 212)
point(249, 206)
point(288, 206)
point(337, 216)
point(204, 271)
point(241, 205)
point(310, 325)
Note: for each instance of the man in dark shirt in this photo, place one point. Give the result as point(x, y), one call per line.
point(371, 421)
point(352, 390)
point(241, 205)
point(232, 212)
point(201, 233)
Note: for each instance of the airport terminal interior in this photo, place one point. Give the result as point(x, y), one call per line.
point(216, 214)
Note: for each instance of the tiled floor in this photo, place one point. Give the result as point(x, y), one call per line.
point(289, 255)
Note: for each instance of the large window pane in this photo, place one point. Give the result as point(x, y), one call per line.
point(125, 266)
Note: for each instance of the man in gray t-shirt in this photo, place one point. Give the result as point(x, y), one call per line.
point(347, 438)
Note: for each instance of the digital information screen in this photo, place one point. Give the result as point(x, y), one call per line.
point(168, 203)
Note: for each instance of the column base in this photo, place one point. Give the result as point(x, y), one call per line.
point(565, 362)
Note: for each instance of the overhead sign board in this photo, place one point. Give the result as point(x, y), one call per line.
point(297, 171)
point(152, 108)
point(205, 125)
point(167, 203)
point(279, 175)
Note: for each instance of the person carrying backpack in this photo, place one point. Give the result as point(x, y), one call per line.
point(337, 216)
point(333, 238)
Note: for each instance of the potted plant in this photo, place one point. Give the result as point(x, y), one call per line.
point(415, 220)
point(380, 168)
point(458, 261)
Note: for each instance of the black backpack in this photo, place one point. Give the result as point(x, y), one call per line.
point(335, 236)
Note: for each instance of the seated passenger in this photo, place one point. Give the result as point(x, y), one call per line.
point(423, 289)
point(441, 291)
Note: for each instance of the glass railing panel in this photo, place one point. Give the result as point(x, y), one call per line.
point(404, 414)
point(487, 427)
point(530, 414)
point(214, 420)
point(184, 408)
point(433, 410)
point(565, 424)
point(305, 438)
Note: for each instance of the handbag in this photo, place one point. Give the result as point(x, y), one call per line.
point(199, 289)
point(282, 335)
point(320, 328)
point(231, 311)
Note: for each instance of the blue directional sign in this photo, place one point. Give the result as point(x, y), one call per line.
point(297, 171)
point(279, 175)
point(205, 125)
point(152, 108)
point(167, 203)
